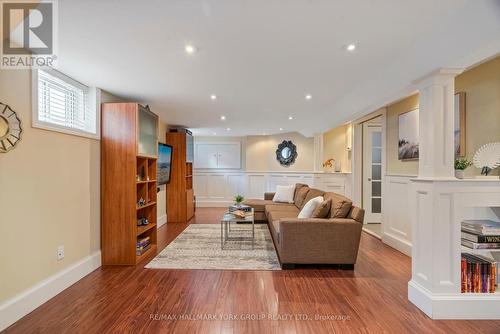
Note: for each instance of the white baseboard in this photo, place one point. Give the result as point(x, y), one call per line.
point(213, 204)
point(25, 302)
point(454, 306)
point(397, 243)
point(161, 221)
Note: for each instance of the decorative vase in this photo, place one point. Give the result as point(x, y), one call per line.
point(459, 173)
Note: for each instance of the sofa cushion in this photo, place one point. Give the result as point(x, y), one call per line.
point(309, 207)
point(323, 209)
point(341, 205)
point(300, 194)
point(310, 195)
point(281, 207)
point(278, 213)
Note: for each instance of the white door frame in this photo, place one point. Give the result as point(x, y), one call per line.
point(357, 158)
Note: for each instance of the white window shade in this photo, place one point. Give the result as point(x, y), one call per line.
point(65, 105)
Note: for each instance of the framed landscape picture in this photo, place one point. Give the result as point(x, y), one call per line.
point(408, 135)
point(460, 124)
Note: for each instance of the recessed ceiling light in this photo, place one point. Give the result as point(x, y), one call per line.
point(351, 47)
point(308, 96)
point(228, 129)
point(213, 97)
point(190, 49)
point(281, 129)
point(290, 117)
point(215, 133)
point(223, 118)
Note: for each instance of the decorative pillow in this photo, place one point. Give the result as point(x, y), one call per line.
point(300, 195)
point(310, 195)
point(309, 207)
point(284, 194)
point(341, 205)
point(323, 209)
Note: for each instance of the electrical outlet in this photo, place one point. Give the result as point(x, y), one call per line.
point(60, 252)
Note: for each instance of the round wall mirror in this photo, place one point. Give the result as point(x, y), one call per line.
point(4, 127)
point(10, 128)
point(286, 153)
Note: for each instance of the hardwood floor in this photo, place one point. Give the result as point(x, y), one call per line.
point(119, 299)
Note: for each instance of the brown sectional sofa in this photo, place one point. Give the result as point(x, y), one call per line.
point(333, 239)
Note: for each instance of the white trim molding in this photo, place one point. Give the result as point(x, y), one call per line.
point(162, 220)
point(25, 302)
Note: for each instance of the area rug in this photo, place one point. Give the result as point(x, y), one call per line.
point(199, 247)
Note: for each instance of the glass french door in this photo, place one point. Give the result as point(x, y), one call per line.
point(372, 172)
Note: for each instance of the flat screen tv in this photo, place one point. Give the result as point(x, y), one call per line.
point(164, 163)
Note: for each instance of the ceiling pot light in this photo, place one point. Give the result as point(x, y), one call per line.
point(228, 129)
point(213, 97)
point(281, 129)
point(190, 49)
point(215, 133)
point(223, 118)
point(308, 96)
point(290, 117)
point(351, 47)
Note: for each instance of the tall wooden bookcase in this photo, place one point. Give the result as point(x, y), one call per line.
point(180, 195)
point(129, 150)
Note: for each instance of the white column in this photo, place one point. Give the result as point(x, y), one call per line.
point(318, 152)
point(436, 124)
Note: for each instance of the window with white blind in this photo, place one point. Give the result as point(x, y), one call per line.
point(63, 104)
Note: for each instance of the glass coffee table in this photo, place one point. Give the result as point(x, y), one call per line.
point(228, 234)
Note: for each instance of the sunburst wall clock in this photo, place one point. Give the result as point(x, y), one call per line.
point(10, 128)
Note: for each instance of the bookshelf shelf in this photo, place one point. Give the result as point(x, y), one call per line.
point(144, 255)
point(144, 229)
point(146, 206)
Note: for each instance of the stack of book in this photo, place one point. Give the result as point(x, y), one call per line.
point(240, 207)
point(481, 234)
point(478, 273)
point(143, 245)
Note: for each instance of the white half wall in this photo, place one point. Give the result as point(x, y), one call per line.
point(396, 224)
point(218, 188)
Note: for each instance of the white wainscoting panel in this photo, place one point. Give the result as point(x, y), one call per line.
point(218, 188)
point(396, 223)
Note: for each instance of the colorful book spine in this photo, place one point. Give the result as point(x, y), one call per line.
point(478, 274)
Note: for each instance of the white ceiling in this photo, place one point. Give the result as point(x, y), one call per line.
point(262, 56)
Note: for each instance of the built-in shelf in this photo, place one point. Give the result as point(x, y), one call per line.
point(145, 228)
point(144, 255)
point(145, 206)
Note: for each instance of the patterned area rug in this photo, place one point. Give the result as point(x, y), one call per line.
point(199, 247)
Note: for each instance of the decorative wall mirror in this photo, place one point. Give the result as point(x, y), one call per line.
point(286, 153)
point(10, 128)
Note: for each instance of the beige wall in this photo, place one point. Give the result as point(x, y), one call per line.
point(241, 140)
point(258, 153)
point(49, 196)
point(261, 153)
point(482, 106)
point(335, 146)
point(395, 166)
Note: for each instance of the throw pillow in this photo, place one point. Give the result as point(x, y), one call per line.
point(300, 196)
point(309, 207)
point(323, 209)
point(284, 194)
point(341, 205)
